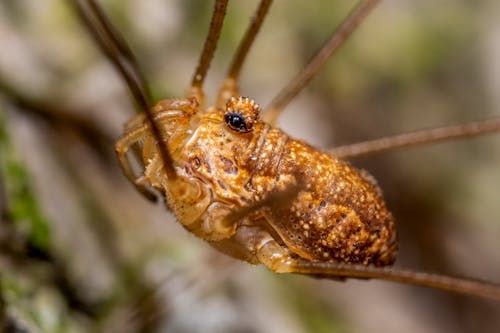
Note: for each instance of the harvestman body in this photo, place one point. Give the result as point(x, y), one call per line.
point(252, 191)
point(228, 160)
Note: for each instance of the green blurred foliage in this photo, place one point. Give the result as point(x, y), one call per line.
point(23, 209)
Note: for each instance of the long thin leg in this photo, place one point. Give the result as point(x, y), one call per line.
point(207, 54)
point(277, 259)
point(417, 138)
point(353, 20)
point(115, 48)
point(119, 54)
point(229, 87)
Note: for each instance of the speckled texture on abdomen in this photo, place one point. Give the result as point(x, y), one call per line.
point(338, 215)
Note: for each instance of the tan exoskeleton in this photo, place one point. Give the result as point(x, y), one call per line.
point(228, 160)
point(252, 191)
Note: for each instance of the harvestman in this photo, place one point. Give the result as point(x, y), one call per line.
point(252, 191)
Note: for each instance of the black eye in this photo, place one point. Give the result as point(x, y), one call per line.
point(236, 121)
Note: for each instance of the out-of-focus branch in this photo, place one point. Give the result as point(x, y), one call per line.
point(53, 113)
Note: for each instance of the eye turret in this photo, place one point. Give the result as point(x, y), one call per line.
point(241, 114)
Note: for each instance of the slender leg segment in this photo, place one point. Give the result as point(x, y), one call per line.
point(417, 138)
point(277, 259)
point(339, 36)
point(229, 87)
point(113, 45)
point(195, 90)
point(119, 54)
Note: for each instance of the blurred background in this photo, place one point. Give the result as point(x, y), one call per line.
point(82, 251)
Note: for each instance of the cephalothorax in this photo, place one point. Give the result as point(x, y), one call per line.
point(252, 191)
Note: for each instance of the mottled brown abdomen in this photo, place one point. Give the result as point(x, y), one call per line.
point(339, 214)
